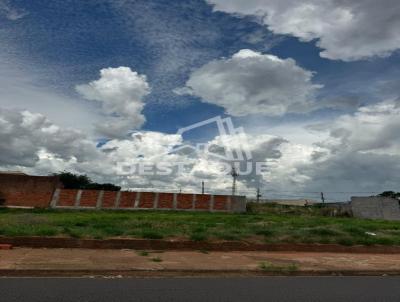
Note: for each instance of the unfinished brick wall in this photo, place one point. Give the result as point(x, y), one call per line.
point(146, 200)
point(126, 200)
point(220, 202)
point(42, 191)
point(83, 199)
point(165, 201)
point(202, 202)
point(67, 198)
point(27, 191)
point(109, 199)
point(185, 201)
point(89, 198)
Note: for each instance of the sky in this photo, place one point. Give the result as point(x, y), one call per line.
point(93, 86)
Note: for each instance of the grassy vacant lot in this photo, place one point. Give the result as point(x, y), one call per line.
point(267, 223)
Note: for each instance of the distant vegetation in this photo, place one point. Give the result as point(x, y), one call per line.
point(74, 181)
point(390, 194)
point(265, 223)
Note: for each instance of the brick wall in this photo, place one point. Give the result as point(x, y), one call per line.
point(220, 202)
point(185, 201)
point(202, 202)
point(165, 201)
point(109, 199)
point(147, 200)
point(67, 197)
point(126, 200)
point(27, 191)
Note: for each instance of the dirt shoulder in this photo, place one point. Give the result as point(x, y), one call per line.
point(83, 262)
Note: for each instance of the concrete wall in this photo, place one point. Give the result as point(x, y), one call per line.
point(91, 199)
point(375, 208)
point(27, 191)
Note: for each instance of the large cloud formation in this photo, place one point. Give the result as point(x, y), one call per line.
point(346, 30)
point(121, 92)
point(35, 145)
point(253, 83)
point(24, 135)
point(359, 152)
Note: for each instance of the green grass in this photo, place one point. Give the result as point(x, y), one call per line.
point(267, 223)
point(156, 259)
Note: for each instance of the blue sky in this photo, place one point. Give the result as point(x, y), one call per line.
point(68, 42)
point(47, 48)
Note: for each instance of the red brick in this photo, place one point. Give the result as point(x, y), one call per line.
point(127, 200)
point(27, 190)
point(165, 200)
point(185, 201)
point(202, 202)
point(67, 198)
point(109, 198)
point(146, 200)
point(89, 198)
point(220, 202)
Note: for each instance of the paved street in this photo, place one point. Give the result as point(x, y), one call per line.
point(307, 289)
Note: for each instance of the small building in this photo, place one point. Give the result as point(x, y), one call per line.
point(21, 190)
point(375, 207)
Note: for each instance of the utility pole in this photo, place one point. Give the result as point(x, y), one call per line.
point(322, 197)
point(258, 195)
point(234, 176)
point(202, 187)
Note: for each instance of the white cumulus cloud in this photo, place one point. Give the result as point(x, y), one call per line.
point(24, 135)
point(345, 29)
point(362, 152)
point(356, 152)
point(121, 92)
point(253, 83)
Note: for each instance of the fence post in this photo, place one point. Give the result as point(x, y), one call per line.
point(117, 200)
point(175, 201)
point(99, 202)
point(137, 200)
point(155, 201)
point(211, 208)
point(54, 200)
point(78, 198)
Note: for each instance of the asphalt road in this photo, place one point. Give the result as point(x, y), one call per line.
point(307, 289)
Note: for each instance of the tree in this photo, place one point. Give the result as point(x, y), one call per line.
point(391, 194)
point(74, 181)
point(105, 187)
